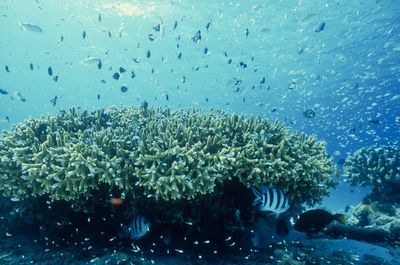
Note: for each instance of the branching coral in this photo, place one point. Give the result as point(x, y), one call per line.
point(158, 153)
point(378, 167)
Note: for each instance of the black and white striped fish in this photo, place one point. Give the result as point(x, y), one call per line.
point(270, 199)
point(137, 228)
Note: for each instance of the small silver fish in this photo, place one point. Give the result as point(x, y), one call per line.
point(270, 199)
point(91, 60)
point(30, 27)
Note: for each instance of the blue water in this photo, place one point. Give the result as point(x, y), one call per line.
point(348, 72)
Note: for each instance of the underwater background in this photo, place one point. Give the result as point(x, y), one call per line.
point(325, 68)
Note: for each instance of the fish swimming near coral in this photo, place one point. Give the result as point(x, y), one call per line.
point(136, 229)
point(314, 221)
point(270, 199)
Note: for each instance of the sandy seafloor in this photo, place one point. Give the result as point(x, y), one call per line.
point(23, 243)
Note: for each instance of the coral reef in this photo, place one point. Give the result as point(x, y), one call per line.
point(378, 167)
point(378, 215)
point(159, 155)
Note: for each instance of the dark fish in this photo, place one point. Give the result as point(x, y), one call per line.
point(50, 71)
point(166, 97)
point(99, 65)
point(55, 78)
point(226, 54)
point(84, 34)
point(208, 25)
point(62, 38)
point(244, 99)
point(341, 161)
point(374, 121)
point(314, 221)
point(144, 105)
point(179, 55)
point(309, 113)
point(122, 70)
point(148, 54)
point(7, 69)
point(109, 34)
point(197, 37)
point(31, 66)
point(242, 65)
point(98, 96)
point(247, 33)
point(8, 119)
point(137, 228)
point(124, 89)
point(206, 99)
point(205, 50)
point(133, 75)
point(270, 199)
point(151, 37)
point(292, 85)
point(229, 61)
point(320, 28)
point(99, 18)
point(157, 28)
point(103, 81)
point(54, 101)
point(3, 92)
point(116, 76)
point(175, 24)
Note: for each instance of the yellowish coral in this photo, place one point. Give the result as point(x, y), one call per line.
point(160, 153)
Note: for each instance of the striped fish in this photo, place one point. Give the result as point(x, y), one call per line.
point(270, 199)
point(137, 228)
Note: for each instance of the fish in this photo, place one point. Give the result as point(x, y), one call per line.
point(3, 92)
point(84, 34)
point(30, 27)
point(144, 105)
point(116, 76)
point(99, 18)
point(270, 199)
point(124, 89)
point(148, 54)
point(314, 221)
point(55, 78)
point(18, 96)
point(320, 28)
point(309, 113)
point(54, 101)
point(98, 96)
point(133, 75)
point(91, 60)
point(122, 70)
point(175, 24)
point(99, 65)
point(308, 18)
point(116, 201)
point(50, 71)
point(7, 68)
point(31, 66)
point(197, 37)
point(137, 228)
